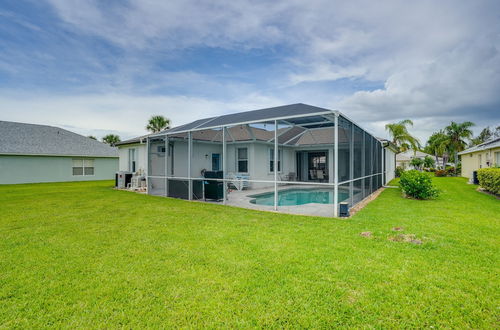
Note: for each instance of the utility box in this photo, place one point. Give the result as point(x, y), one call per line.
point(122, 179)
point(344, 209)
point(475, 180)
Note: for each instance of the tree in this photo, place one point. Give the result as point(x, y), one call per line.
point(157, 124)
point(92, 137)
point(401, 137)
point(416, 163)
point(457, 133)
point(428, 162)
point(485, 135)
point(438, 145)
point(111, 139)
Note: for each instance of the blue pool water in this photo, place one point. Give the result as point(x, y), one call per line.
point(298, 197)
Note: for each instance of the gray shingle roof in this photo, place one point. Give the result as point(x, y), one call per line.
point(30, 139)
point(490, 144)
point(139, 139)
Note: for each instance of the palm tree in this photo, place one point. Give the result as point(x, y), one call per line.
point(437, 145)
point(485, 134)
point(457, 133)
point(401, 137)
point(157, 124)
point(111, 139)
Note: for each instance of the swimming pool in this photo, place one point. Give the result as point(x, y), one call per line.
point(296, 196)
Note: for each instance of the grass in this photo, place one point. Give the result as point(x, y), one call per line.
point(84, 255)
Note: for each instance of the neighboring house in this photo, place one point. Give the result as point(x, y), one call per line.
point(242, 159)
point(403, 159)
point(134, 155)
point(483, 155)
point(37, 153)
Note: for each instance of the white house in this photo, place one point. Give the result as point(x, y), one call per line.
point(323, 159)
point(403, 159)
point(133, 155)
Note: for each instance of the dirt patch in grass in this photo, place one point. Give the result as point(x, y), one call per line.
point(406, 238)
point(366, 234)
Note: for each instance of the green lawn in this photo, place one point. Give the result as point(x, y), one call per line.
point(84, 255)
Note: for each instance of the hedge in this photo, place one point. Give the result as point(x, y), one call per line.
point(489, 179)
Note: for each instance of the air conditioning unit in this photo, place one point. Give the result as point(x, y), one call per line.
point(122, 179)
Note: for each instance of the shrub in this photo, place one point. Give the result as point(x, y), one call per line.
point(450, 170)
point(429, 161)
point(417, 163)
point(418, 185)
point(440, 173)
point(398, 171)
point(489, 179)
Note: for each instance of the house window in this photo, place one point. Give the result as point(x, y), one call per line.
point(83, 167)
point(171, 155)
point(132, 160)
point(271, 160)
point(216, 162)
point(160, 149)
point(242, 160)
point(497, 158)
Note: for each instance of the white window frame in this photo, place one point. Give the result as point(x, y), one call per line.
point(238, 159)
point(85, 163)
point(270, 158)
point(130, 160)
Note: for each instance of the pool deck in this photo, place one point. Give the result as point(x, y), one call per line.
point(242, 199)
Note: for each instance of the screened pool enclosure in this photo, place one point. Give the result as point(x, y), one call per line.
point(295, 158)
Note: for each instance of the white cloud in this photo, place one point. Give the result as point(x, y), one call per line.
point(126, 115)
point(438, 61)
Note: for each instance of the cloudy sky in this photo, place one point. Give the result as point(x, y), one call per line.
point(98, 67)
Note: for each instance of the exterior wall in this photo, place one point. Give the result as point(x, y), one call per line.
point(201, 160)
point(258, 160)
point(404, 164)
point(473, 161)
point(33, 169)
point(141, 157)
point(390, 158)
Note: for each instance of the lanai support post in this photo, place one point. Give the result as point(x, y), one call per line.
point(275, 165)
point(148, 153)
point(166, 165)
point(224, 190)
point(190, 151)
point(351, 166)
point(336, 167)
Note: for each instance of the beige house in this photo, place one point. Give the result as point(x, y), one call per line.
point(483, 155)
